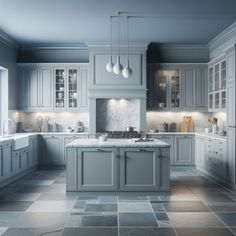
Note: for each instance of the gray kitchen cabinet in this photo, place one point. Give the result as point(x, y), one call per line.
point(201, 89)
point(216, 158)
point(7, 159)
point(68, 139)
point(51, 150)
point(46, 88)
point(33, 151)
point(97, 169)
point(217, 92)
point(23, 88)
point(167, 139)
point(16, 162)
point(184, 150)
point(50, 87)
point(33, 85)
point(141, 169)
point(188, 84)
point(1, 164)
point(24, 156)
point(231, 155)
point(181, 86)
point(200, 152)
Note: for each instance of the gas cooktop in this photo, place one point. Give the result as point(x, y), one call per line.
point(121, 134)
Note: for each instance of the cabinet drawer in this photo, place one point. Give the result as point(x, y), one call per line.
point(217, 167)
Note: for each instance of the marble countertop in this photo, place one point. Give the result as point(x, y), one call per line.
point(203, 134)
point(110, 143)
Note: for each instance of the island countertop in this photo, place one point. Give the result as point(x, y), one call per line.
point(112, 143)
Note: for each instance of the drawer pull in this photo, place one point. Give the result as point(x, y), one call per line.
point(100, 150)
point(142, 150)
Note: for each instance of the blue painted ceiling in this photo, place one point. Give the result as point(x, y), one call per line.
point(73, 22)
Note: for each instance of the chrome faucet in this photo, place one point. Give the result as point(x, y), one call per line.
point(3, 126)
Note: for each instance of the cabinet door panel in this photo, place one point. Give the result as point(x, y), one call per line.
point(33, 88)
point(138, 169)
point(51, 150)
point(231, 155)
point(189, 82)
point(201, 98)
point(46, 89)
point(231, 104)
point(23, 88)
point(7, 160)
point(97, 169)
point(184, 151)
point(84, 88)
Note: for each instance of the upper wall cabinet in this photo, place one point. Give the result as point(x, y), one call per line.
point(53, 87)
point(177, 87)
point(217, 85)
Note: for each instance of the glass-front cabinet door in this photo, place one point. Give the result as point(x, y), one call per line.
point(72, 88)
point(161, 80)
point(167, 89)
point(223, 84)
point(174, 76)
point(66, 88)
point(60, 86)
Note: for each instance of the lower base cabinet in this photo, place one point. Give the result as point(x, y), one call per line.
point(144, 169)
point(118, 169)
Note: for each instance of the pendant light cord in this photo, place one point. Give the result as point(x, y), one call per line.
point(127, 19)
point(119, 35)
point(111, 35)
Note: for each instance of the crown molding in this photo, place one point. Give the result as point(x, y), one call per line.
point(223, 37)
point(7, 40)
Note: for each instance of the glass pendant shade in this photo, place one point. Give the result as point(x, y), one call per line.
point(117, 68)
point(110, 65)
point(127, 71)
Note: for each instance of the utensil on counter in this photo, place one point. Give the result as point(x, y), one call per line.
point(40, 122)
point(172, 127)
point(47, 126)
point(130, 128)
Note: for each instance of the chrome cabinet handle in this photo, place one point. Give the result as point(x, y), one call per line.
point(100, 150)
point(142, 150)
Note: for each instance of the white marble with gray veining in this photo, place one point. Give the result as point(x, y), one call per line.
point(110, 143)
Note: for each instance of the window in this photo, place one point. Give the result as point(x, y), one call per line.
point(3, 95)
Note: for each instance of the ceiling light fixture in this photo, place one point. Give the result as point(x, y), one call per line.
point(127, 71)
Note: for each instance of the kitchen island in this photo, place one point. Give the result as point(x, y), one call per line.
point(118, 165)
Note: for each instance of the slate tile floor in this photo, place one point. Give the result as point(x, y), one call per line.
point(39, 205)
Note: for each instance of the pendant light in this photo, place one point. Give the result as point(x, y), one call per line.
point(117, 68)
point(127, 71)
point(110, 64)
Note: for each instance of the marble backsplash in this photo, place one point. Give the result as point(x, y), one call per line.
point(63, 119)
point(116, 114)
point(155, 120)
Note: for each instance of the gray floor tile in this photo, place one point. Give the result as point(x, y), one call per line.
point(161, 216)
point(23, 197)
point(132, 198)
point(185, 206)
point(101, 208)
point(108, 199)
point(105, 220)
point(38, 220)
point(228, 218)
point(204, 232)
point(8, 218)
point(51, 206)
point(223, 207)
point(158, 207)
point(147, 232)
point(58, 196)
point(90, 232)
point(143, 206)
point(14, 205)
point(137, 219)
point(195, 219)
point(33, 232)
